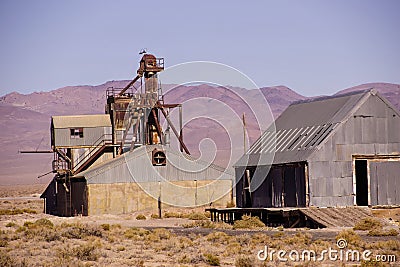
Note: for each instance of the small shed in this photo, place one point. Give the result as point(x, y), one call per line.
point(331, 151)
point(79, 130)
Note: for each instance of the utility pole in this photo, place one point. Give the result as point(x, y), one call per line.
point(244, 133)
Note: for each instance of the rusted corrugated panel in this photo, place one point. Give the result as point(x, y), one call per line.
point(81, 121)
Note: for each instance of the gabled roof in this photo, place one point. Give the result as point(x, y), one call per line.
point(302, 127)
point(81, 121)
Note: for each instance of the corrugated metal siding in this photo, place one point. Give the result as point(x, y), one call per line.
point(62, 137)
point(77, 121)
point(385, 182)
point(365, 132)
point(301, 128)
point(136, 166)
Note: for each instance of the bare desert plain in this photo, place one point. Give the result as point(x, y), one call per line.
point(183, 237)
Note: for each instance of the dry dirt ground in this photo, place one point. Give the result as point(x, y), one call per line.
point(30, 238)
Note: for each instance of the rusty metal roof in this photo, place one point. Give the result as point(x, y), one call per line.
point(301, 128)
point(81, 121)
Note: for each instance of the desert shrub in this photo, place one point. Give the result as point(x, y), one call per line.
point(244, 239)
point(86, 252)
point(184, 259)
point(184, 242)
point(248, 222)
point(155, 216)
point(136, 233)
point(278, 234)
point(372, 263)
point(116, 226)
point(351, 237)
point(233, 248)
point(138, 263)
point(16, 211)
point(172, 215)
point(388, 245)
point(80, 231)
point(44, 223)
point(197, 216)
point(120, 248)
point(219, 237)
point(367, 224)
point(158, 234)
point(140, 217)
point(207, 224)
point(260, 238)
point(211, 259)
point(11, 224)
point(244, 261)
point(5, 259)
point(3, 242)
point(298, 239)
point(28, 224)
point(105, 226)
point(381, 232)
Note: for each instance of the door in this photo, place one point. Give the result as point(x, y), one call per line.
point(385, 182)
point(361, 173)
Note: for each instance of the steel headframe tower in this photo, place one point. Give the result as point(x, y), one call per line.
point(135, 115)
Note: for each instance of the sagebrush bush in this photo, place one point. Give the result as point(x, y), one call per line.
point(367, 224)
point(207, 224)
point(86, 252)
point(155, 216)
point(11, 224)
point(248, 222)
point(173, 215)
point(5, 259)
point(351, 237)
point(80, 231)
point(16, 211)
point(44, 223)
point(211, 259)
point(136, 233)
point(105, 226)
point(381, 232)
point(140, 217)
point(197, 216)
point(244, 261)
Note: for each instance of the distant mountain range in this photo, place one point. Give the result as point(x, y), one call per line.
point(25, 119)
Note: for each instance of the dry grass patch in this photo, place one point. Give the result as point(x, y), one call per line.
point(16, 211)
point(248, 222)
point(367, 224)
point(140, 217)
point(381, 232)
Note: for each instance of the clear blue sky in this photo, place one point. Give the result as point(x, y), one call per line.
point(313, 47)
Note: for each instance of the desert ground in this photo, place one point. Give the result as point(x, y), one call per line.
point(183, 237)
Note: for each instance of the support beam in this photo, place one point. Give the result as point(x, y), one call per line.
point(175, 132)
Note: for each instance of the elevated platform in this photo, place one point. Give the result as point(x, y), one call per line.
point(295, 217)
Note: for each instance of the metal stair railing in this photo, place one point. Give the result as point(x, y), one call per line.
point(98, 144)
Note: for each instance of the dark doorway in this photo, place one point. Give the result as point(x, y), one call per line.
point(361, 182)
